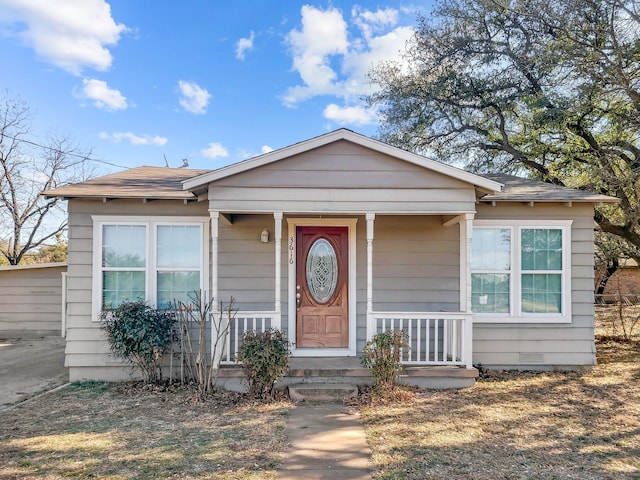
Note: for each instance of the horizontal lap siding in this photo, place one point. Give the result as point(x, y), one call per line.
point(31, 301)
point(246, 265)
point(545, 345)
point(87, 353)
point(416, 264)
point(341, 178)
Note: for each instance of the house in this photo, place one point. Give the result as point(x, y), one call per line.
point(335, 239)
point(31, 300)
point(625, 281)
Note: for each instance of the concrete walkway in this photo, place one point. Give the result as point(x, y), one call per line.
point(326, 441)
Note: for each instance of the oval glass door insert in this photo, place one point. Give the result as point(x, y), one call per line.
point(322, 270)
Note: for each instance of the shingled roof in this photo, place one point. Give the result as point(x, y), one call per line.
point(517, 189)
point(156, 183)
point(152, 183)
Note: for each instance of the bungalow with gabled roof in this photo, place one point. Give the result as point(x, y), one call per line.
point(333, 240)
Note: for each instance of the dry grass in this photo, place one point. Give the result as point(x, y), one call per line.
point(519, 426)
point(108, 431)
point(509, 426)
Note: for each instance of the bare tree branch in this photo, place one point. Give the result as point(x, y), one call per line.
point(27, 219)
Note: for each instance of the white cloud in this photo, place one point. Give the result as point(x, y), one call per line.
point(102, 95)
point(214, 150)
point(323, 34)
point(193, 97)
point(371, 22)
point(333, 57)
point(244, 44)
point(266, 149)
point(68, 34)
point(357, 63)
point(348, 115)
point(134, 139)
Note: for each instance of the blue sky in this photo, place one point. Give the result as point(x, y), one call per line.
point(211, 81)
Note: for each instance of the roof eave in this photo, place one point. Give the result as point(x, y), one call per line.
point(592, 200)
point(120, 196)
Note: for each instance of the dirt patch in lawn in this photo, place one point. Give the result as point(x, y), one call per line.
point(518, 425)
point(122, 431)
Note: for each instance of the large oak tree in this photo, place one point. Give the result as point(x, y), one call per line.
point(546, 88)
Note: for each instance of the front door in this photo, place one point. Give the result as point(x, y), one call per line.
point(322, 304)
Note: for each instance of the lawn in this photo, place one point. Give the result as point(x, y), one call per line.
point(508, 426)
point(519, 426)
point(116, 431)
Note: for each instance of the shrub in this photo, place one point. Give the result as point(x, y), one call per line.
point(199, 358)
point(382, 354)
point(265, 359)
point(140, 335)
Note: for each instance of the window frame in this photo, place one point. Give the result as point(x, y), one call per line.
point(516, 315)
point(151, 268)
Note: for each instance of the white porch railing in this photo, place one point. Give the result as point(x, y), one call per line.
point(435, 338)
point(243, 322)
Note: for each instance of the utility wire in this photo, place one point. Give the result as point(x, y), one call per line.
point(71, 154)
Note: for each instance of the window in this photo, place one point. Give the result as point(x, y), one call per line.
point(156, 261)
point(124, 262)
point(519, 269)
point(491, 266)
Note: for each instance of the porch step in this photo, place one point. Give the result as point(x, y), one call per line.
point(347, 372)
point(321, 392)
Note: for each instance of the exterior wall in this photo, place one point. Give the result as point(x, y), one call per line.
point(31, 300)
point(246, 266)
point(87, 352)
point(416, 268)
point(416, 265)
point(341, 178)
point(545, 345)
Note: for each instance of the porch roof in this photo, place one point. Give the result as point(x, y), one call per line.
point(483, 183)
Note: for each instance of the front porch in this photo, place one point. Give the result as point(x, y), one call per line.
point(360, 237)
point(436, 339)
point(440, 341)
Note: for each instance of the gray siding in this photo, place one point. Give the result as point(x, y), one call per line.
point(87, 353)
point(546, 345)
point(416, 264)
point(416, 268)
point(31, 300)
point(247, 266)
point(341, 178)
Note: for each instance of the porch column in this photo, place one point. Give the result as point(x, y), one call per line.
point(217, 348)
point(371, 327)
point(213, 294)
point(466, 231)
point(277, 217)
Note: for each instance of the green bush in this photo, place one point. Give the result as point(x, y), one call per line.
point(265, 359)
point(382, 354)
point(140, 335)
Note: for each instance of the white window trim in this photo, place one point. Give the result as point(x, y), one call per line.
point(151, 224)
point(515, 294)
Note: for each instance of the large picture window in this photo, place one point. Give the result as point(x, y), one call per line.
point(155, 261)
point(520, 270)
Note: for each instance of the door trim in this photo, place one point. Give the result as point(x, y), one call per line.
point(350, 223)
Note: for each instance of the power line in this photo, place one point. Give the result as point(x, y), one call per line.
point(71, 154)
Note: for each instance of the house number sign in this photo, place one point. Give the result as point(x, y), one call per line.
point(291, 250)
